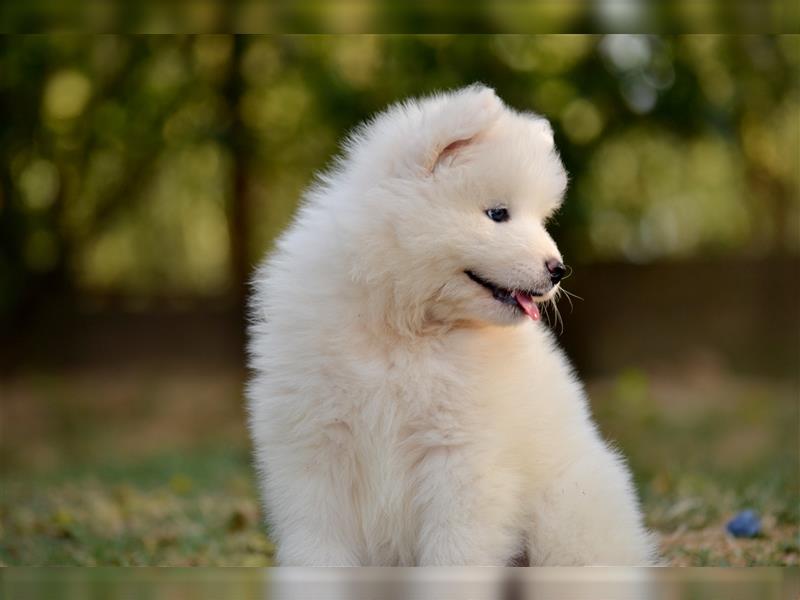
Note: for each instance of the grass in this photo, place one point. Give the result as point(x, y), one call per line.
point(198, 509)
point(116, 486)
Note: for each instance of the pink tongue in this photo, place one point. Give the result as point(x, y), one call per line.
point(528, 305)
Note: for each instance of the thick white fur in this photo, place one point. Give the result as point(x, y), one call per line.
point(400, 414)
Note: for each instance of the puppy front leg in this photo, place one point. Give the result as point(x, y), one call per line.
point(311, 508)
point(303, 546)
point(465, 512)
point(589, 515)
point(312, 532)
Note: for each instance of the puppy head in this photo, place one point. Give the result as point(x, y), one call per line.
point(459, 188)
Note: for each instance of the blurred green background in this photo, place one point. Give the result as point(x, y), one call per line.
point(144, 177)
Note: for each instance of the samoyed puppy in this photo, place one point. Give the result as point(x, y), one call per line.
point(407, 405)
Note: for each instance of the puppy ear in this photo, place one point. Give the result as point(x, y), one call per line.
point(449, 152)
point(542, 128)
point(458, 120)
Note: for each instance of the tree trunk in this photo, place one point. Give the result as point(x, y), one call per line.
point(237, 209)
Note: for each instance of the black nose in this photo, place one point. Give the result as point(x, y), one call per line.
point(556, 269)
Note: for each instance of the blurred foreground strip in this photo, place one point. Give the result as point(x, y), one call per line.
point(440, 583)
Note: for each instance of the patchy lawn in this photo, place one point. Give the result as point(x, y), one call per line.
point(168, 481)
point(172, 511)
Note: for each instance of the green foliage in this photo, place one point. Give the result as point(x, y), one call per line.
point(119, 164)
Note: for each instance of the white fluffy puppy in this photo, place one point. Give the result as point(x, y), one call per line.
point(407, 406)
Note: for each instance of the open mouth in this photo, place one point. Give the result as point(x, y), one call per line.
point(519, 299)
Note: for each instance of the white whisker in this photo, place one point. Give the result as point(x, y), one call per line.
point(558, 313)
point(569, 295)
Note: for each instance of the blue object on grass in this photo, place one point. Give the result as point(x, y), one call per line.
point(745, 524)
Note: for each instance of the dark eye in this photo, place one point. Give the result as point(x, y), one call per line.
point(498, 214)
